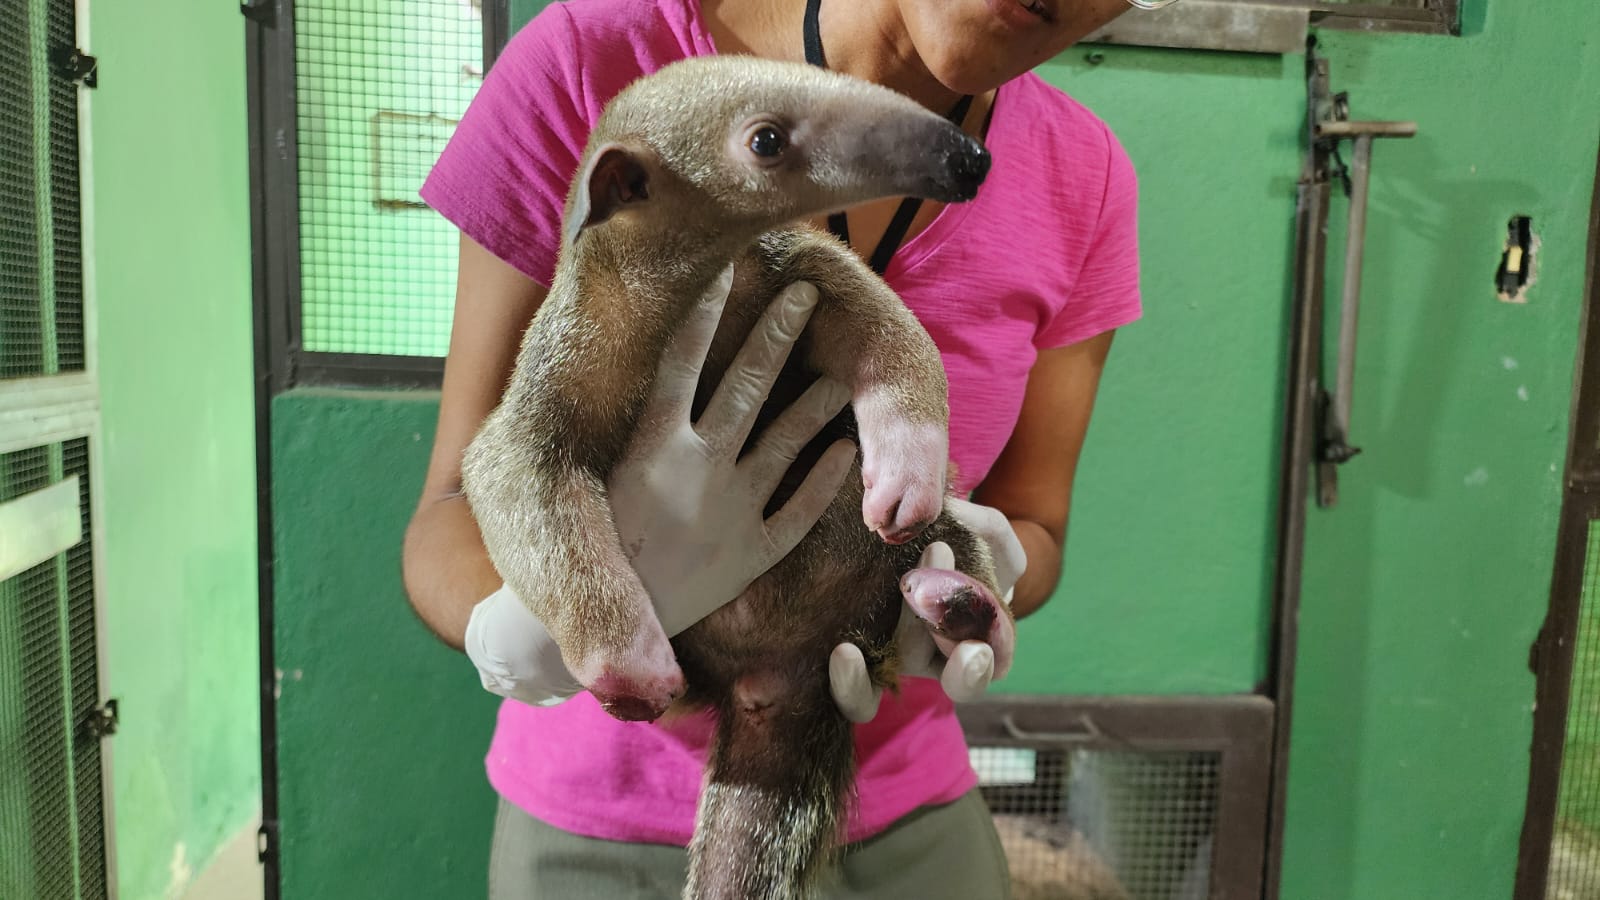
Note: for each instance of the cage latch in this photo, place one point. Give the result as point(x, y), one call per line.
point(257, 10)
point(102, 721)
point(75, 65)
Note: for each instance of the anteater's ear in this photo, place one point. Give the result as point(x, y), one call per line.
point(617, 176)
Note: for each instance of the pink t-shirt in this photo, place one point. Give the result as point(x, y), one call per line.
point(1046, 256)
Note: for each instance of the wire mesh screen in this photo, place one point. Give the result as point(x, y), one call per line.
point(1103, 825)
point(1575, 851)
point(66, 283)
point(52, 840)
point(41, 298)
point(378, 86)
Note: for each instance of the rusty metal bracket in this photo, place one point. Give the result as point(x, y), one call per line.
point(1329, 124)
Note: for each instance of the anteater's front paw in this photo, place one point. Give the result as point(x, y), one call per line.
point(903, 473)
point(635, 684)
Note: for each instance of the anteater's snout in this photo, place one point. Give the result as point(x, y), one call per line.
point(966, 164)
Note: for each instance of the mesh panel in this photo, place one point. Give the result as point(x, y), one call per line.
point(379, 86)
point(65, 210)
point(20, 331)
point(41, 295)
point(1099, 825)
point(51, 813)
point(1575, 851)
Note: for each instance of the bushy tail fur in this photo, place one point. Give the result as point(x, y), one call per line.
point(776, 783)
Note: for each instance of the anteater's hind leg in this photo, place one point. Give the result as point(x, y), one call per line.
point(957, 595)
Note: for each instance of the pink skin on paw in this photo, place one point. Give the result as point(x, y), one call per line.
point(960, 608)
point(636, 684)
point(903, 471)
point(632, 700)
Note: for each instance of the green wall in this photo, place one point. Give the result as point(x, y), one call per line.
point(1426, 588)
point(1423, 588)
point(382, 729)
point(171, 259)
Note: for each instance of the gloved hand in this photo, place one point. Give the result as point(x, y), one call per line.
point(964, 669)
point(515, 655)
point(688, 510)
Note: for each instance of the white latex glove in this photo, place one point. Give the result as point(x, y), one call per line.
point(688, 510)
point(515, 655)
point(964, 669)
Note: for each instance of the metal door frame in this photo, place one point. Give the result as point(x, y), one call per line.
point(1551, 656)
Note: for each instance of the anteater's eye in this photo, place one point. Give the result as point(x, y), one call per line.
point(767, 141)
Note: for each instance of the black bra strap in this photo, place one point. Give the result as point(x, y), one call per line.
point(813, 35)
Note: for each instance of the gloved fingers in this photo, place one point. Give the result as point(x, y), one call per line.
point(850, 685)
point(732, 411)
point(766, 463)
point(919, 655)
point(679, 371)
point(788, 525)
point(937, 555)
point(968, 671)
point(1010, 559)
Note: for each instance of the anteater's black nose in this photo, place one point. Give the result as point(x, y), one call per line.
point(966, 165)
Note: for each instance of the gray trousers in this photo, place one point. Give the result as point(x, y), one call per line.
point(937, 852)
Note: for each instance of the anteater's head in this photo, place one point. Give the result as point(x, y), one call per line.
point(736, 145)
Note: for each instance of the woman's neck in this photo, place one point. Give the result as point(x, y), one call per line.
point(865, 39)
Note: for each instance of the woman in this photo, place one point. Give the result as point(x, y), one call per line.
point(1022, 291)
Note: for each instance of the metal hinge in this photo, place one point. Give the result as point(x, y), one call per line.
point(102, 720)
point(75, 65)
point(267, 841)
point(257, 10)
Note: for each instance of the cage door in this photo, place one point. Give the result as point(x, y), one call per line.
point(53, 801)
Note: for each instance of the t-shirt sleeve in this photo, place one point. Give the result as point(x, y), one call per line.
point(503, 175)
point(1106, 294)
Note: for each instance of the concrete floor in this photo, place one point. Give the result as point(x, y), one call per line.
point(234, 874)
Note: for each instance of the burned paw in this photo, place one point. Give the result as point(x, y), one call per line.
point(632, 699)
point(967, 616)
point(958, 607)
point(636, 682)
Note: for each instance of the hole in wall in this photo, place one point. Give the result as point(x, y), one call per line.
point(1515, 274)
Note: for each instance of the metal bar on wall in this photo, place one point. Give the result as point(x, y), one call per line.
point(496, 30)
point(1299, 448)
point(368, 370)
point(1551, 657)
point(269, 72)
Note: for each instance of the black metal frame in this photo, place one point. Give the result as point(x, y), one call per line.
point(275, 216)
point(1552, 653)
point(1302, 412)
point(1237, 727)
point(269, 73)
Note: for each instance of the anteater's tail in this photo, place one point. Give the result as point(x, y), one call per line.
point(776, 783)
